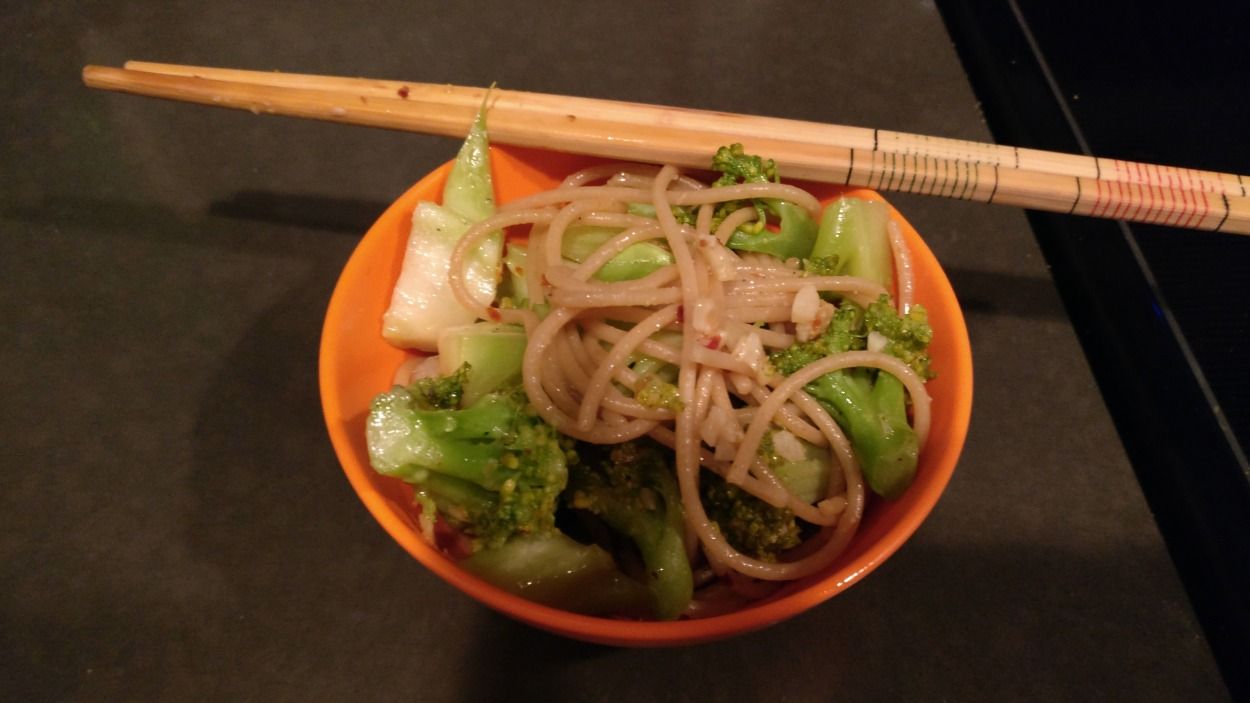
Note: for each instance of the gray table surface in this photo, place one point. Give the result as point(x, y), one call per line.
point(173, 522)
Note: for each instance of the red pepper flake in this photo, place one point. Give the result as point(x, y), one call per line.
point(520, 270)
point(451, 541)
point(493, 313)
point(713, 342)
point(681, 313)
point(403, 92)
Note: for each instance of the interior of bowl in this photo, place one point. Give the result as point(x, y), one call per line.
point(356, 364)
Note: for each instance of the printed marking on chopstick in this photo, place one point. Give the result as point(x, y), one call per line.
point(1189, 183)
point(915, 166)
point(1167, 199)
point(1093, 211)
point(1242, 184)
point(1135, 192)
point(1134, 189)
point(1077, 199)
point(1206, 208)
point(1121, 202)
point(1115, 197)
point(850, 169)
point(994, 190)
point(974, 180)
point(1153, 199)
point(1178, 196)
point(924, 176)
point(1144, 202)
point(1188, 205)
point(875, 132)
point(1098, 168)
point(1156, 195)
point(1227, 209)
point(1119, 191)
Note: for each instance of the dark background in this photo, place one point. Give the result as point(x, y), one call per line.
point(174, 525)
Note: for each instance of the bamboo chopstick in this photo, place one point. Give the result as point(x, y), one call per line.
point(870, 158)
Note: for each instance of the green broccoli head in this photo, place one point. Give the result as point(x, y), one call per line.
point(440, 392)
point(631, 488)
point(752, 526)
point(870, 406)
point(493, 469)
point(845, 333)
point(796, 231)
point(737, 166)
point(655, 392)
point(823, 266)
point(908, 335)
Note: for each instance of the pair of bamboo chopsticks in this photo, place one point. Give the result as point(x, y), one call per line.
point(872, 158)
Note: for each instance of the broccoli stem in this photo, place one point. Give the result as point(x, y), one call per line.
point(635, 261)
point(555, 570)
point(663, 553)
point(854, 231)
point(633, 491)
point(794, 238)
point(469, 190)
point(874, 415)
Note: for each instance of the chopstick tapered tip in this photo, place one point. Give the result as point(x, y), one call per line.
point(91, 74)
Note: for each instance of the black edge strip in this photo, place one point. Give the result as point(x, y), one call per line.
point(1201, 514)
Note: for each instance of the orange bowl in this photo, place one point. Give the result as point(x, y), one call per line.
point(356, 364)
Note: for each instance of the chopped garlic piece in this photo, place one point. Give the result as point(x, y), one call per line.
point(704, 317)
point(724, 263)
point(877, 341)
point(788, 446)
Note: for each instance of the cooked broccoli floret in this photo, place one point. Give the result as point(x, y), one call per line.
point(796, 232)
point(655, 392)
point(632, 489)
point(752, 526)
point(822, 266)
point(907, 336)
point(684, 214)
point(844, 333)
point(440, 392)
point(871, 406)
point(493, 469)
point(737, 166)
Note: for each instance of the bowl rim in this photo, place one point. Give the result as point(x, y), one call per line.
point(613, 631)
